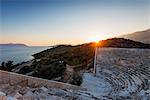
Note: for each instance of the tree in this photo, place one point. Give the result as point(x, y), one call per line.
point(3, 64)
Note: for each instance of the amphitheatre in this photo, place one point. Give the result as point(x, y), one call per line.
point(121, 74)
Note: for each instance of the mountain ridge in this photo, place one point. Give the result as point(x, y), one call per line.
point(141, 36)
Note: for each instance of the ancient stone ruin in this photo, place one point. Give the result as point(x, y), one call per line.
point(120, 74)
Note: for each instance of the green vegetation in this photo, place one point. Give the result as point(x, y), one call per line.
point(72, 55)
point(49, 71)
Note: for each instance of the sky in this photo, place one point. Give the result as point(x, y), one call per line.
point(51, 22)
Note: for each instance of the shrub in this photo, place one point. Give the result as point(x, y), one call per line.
point(8, 66)
point(76, 79)
point(50, 71)
point(25, 69)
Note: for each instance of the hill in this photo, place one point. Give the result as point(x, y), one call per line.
point(141, 36)
point(51, 63)
point(113, 42)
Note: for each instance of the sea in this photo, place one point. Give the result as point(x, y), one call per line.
point(19, 54)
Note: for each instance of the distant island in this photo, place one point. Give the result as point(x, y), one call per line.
point(14, 45)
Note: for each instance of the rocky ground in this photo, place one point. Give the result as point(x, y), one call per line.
point(43, 93)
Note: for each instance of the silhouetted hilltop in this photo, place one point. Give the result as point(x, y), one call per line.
point(122, 43)
point(14, 45)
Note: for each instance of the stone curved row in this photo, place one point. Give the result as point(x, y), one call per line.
point(127, 81)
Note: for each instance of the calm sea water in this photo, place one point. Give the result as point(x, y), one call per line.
point(19, 54)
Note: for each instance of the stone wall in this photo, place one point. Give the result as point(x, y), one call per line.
point(23, 80)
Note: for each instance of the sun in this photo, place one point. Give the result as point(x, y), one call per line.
point(94, 39)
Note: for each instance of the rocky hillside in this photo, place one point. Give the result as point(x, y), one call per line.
point(141, 36)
